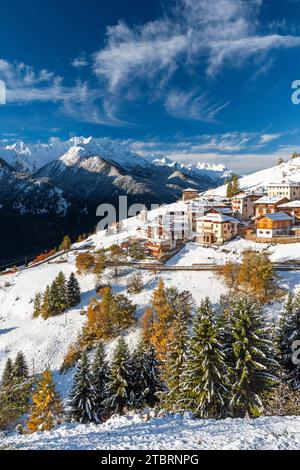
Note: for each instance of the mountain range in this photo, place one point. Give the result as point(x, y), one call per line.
point(57, 186)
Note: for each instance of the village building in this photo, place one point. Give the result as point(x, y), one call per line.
point(290, 190)
point(189, 194)
point(268, 204)
point(215, 227)
point(274, 225)
point(243, 205)
point(291, 208)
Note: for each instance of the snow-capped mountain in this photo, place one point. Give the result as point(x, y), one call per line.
point(288, 171)
point(31, 157)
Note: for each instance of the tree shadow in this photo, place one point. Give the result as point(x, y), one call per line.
point(5, 331)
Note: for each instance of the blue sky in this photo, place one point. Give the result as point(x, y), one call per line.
point(194, 79)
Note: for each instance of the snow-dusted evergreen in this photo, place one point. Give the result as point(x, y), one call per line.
point(83, 400)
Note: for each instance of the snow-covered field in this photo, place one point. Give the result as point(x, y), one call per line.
point(167, 433)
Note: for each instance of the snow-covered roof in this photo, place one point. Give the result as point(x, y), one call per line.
point(278, 216)
point(285, 184)
point(290, 204)
point(269, 200)
point(190, 190)
point(218, 217)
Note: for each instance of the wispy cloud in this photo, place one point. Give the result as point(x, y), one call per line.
point(26, 85)
point(80, 61)
point(214, 34)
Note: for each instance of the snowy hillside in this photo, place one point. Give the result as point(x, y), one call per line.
point(286, 171)
point(167, 433)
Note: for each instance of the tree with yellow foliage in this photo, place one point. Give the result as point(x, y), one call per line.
point(46, 408)
point(163, 320)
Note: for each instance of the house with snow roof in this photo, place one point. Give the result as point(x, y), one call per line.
point(274, 225)
point(216, 227)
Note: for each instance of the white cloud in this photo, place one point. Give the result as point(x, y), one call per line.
point(26, 85)
point(193, 32)
point(266, 138)
point(192, 106)
point(80, 62)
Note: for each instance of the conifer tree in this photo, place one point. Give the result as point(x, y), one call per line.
point(174, 365)
point(100, 375)
point(73, 293)
point(229, 192)
point(60, 293)
point(291, 346)
point(254, 367)
point(46, 409)
point(37, 305)
point(286, 328)
point(83, 400)
point(146, 376)
point(205, 380)
point(235, 185)
point(119, 386)
point(8, 374)
point(20, 370)
point(46, 304)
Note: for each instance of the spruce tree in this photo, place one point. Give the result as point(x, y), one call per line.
point(46, 303)
point(205, 380)
point(8, 374)
point(174, 365)
point(286, 329)
point(293, 377)
point(254, 364)
point(20, 370)
point(146, 377)
point(120, 385)
point(60, 289)
point(100, 375)
point(46, 409)
point(83, 400)
point(73, 293)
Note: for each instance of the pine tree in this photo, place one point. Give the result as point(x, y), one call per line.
point(37, 305)
point(20, 370)
point(100, 375)
point(135, 284)
point(83, 400)
point(119, 386)
point(73, 293)
point(146, 377)
point(205, 380)
point(8, 374)
point(46, 409)
point(254, 367)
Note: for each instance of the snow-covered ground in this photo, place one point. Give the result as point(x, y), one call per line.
point(167, 433)
point(276, 174)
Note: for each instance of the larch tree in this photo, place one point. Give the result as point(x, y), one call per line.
point(46, 408)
